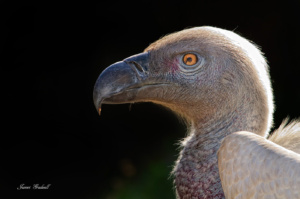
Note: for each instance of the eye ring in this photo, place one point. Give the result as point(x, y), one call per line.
point(189, 59)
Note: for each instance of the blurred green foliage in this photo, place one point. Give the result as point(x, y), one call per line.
point(154, 182)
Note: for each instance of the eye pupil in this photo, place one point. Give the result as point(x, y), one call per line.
point(190, 59)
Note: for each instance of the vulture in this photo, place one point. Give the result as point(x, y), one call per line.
point(219, 83)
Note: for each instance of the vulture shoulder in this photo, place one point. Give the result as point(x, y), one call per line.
point(251, 166)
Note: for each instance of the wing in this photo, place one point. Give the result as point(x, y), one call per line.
point(251, 166)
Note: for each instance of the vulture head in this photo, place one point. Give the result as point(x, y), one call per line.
point(214, 78)
point(201, 73)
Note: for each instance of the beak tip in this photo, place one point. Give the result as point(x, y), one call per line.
point(97, 102)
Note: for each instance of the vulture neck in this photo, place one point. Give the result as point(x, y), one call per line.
point(196, 172)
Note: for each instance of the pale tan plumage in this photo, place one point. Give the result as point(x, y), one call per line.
point(287, 135)
point(226, 99)
point(251, 166)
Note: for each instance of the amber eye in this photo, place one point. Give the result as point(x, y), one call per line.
point(190, 59)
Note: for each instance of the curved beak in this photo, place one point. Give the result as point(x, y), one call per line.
point(119, 82)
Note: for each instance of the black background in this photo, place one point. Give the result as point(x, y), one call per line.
point(51, 56)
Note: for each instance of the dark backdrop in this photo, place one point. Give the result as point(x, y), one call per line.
point(51, 56)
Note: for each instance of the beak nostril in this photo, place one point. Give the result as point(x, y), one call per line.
point(138, 69)
point(138, 66)
point(139, 63)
